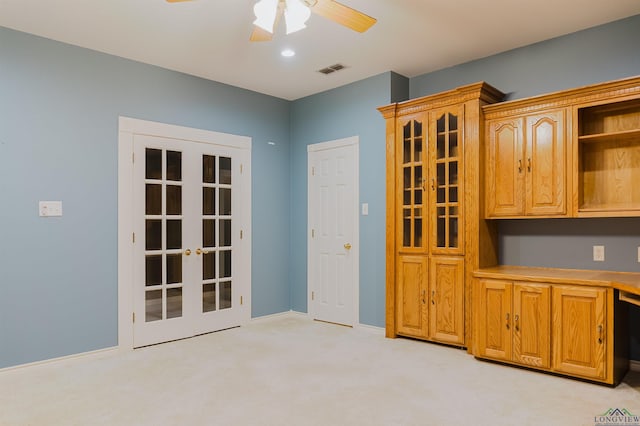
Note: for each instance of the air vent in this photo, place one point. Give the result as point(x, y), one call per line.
point(332, 69)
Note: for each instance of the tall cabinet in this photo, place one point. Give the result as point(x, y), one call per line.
point(434, 217)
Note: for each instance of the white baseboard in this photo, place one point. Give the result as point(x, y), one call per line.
point(278, 315)
point(634, 365)
point(96, 353)
point(371, 329)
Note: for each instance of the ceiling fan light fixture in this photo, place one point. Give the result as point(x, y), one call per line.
point(266, 11)
point(296, 14)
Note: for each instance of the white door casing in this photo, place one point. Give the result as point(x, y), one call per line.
point(191, 317)
point(333, 231)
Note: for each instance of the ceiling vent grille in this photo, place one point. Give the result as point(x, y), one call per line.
point(332, 69)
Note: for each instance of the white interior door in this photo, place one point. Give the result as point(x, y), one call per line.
point(190, 256)
point(333, 231)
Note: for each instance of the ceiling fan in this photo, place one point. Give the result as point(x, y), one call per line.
point(296, 12)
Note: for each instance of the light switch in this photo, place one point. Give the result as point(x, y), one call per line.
point(50, 208)
point(365, 209)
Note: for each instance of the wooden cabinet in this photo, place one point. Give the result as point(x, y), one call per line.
point(446, 299)
point(513, 322)
point(608, 159)
point(556, 320)
point(412, 288)
point(580, 331)
point(434, 150)
point(526, 165)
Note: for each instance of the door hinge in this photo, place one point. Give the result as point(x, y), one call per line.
point(241, 234)
point(241, 300)
point(241, 168)
point(133, 157)
point(313, 171)
point(313, 295)
point(134, 317)
point(133, 237)
point(313, 233)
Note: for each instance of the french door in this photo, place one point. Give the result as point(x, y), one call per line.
point(189, 267)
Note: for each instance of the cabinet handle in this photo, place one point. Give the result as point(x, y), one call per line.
point(600, 330)
point(433, 184)
point(520, 166)
point(433, 297)
point(508, 325)
point(529, 164)
point(423, 299)
point(517, 319)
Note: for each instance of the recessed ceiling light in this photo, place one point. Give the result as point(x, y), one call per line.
point(287, 53)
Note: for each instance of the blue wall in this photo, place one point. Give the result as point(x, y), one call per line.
point(602, 53)
point(59, 108)
point(347, 111)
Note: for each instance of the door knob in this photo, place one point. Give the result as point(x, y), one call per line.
point(187, 252)
point(199, 251)
point(347, 246)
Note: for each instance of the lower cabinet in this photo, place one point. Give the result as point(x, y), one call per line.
point(559, 328)
point(580, 331)
point(513, 322)
point(430, 298)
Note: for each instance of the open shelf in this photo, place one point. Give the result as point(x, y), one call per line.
point(609, 159)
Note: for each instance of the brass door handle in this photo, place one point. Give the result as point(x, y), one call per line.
point(529, 164)
point(199, 251)
point(187, 252)
point(433, 297)
point(347, 246)
point(507, 319)
point(520, 166)
point(517, 319)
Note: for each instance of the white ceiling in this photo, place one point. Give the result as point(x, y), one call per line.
point(210, 38)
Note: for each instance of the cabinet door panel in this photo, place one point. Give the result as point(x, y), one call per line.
point(411, 296)
point(579, 331)
point(493, 326)
point(531, 325)
point(411, 198)
point(545, 164)
point(446, 299)
point(446, 181)
point(505, 168)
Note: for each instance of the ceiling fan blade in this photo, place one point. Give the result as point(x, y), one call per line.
point(260, 34)
point(343, 15)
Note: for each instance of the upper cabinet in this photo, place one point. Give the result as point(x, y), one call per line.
point(526, 167)
point(574, 153)
point(608, 152)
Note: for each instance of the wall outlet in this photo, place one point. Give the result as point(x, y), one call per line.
point(598, 253)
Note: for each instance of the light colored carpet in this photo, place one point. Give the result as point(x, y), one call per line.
point(289, 370)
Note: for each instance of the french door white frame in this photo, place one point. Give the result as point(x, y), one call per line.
point(128, 128)
point(355, 251)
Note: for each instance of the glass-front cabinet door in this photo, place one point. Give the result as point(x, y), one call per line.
point(446, 181)
point(412, 175)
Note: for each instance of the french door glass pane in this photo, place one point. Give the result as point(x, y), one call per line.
point(225, 264)
point(225, 232)
point(209, 266)
point(225, 170)
point(225, 201)
point(153, 240)
point(225, 295)
point(174, 268)
point(208, 201)
point(174, 165)
point(153, 199)
point(208, 232)
point(209, 297)
point(208, 169)
point(174, 200)
point(174, 234)
point(153, 163)
point(153, 305)
point(174, 302)
point(153, 270)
